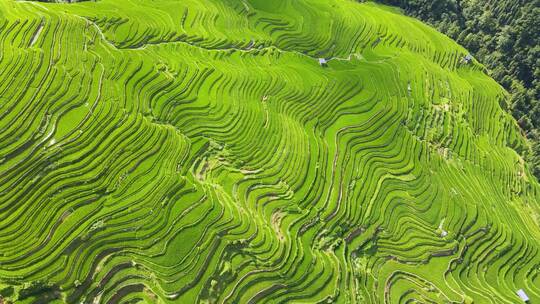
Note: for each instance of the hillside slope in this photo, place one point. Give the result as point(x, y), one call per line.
point(195, 151)
point(505, 36)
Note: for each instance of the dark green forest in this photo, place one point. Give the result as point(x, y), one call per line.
point(502, 35)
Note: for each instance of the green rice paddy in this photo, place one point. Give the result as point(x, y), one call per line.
point(196, 151)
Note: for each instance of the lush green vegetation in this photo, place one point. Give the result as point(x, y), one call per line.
point(503, 35)
point(196, 151)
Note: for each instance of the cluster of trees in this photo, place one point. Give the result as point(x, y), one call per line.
point(504, 36)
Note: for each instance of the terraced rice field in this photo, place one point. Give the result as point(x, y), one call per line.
point(196, 152)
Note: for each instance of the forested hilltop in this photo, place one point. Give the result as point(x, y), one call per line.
point(504, 36)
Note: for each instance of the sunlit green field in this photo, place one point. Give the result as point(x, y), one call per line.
point(196, 151)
